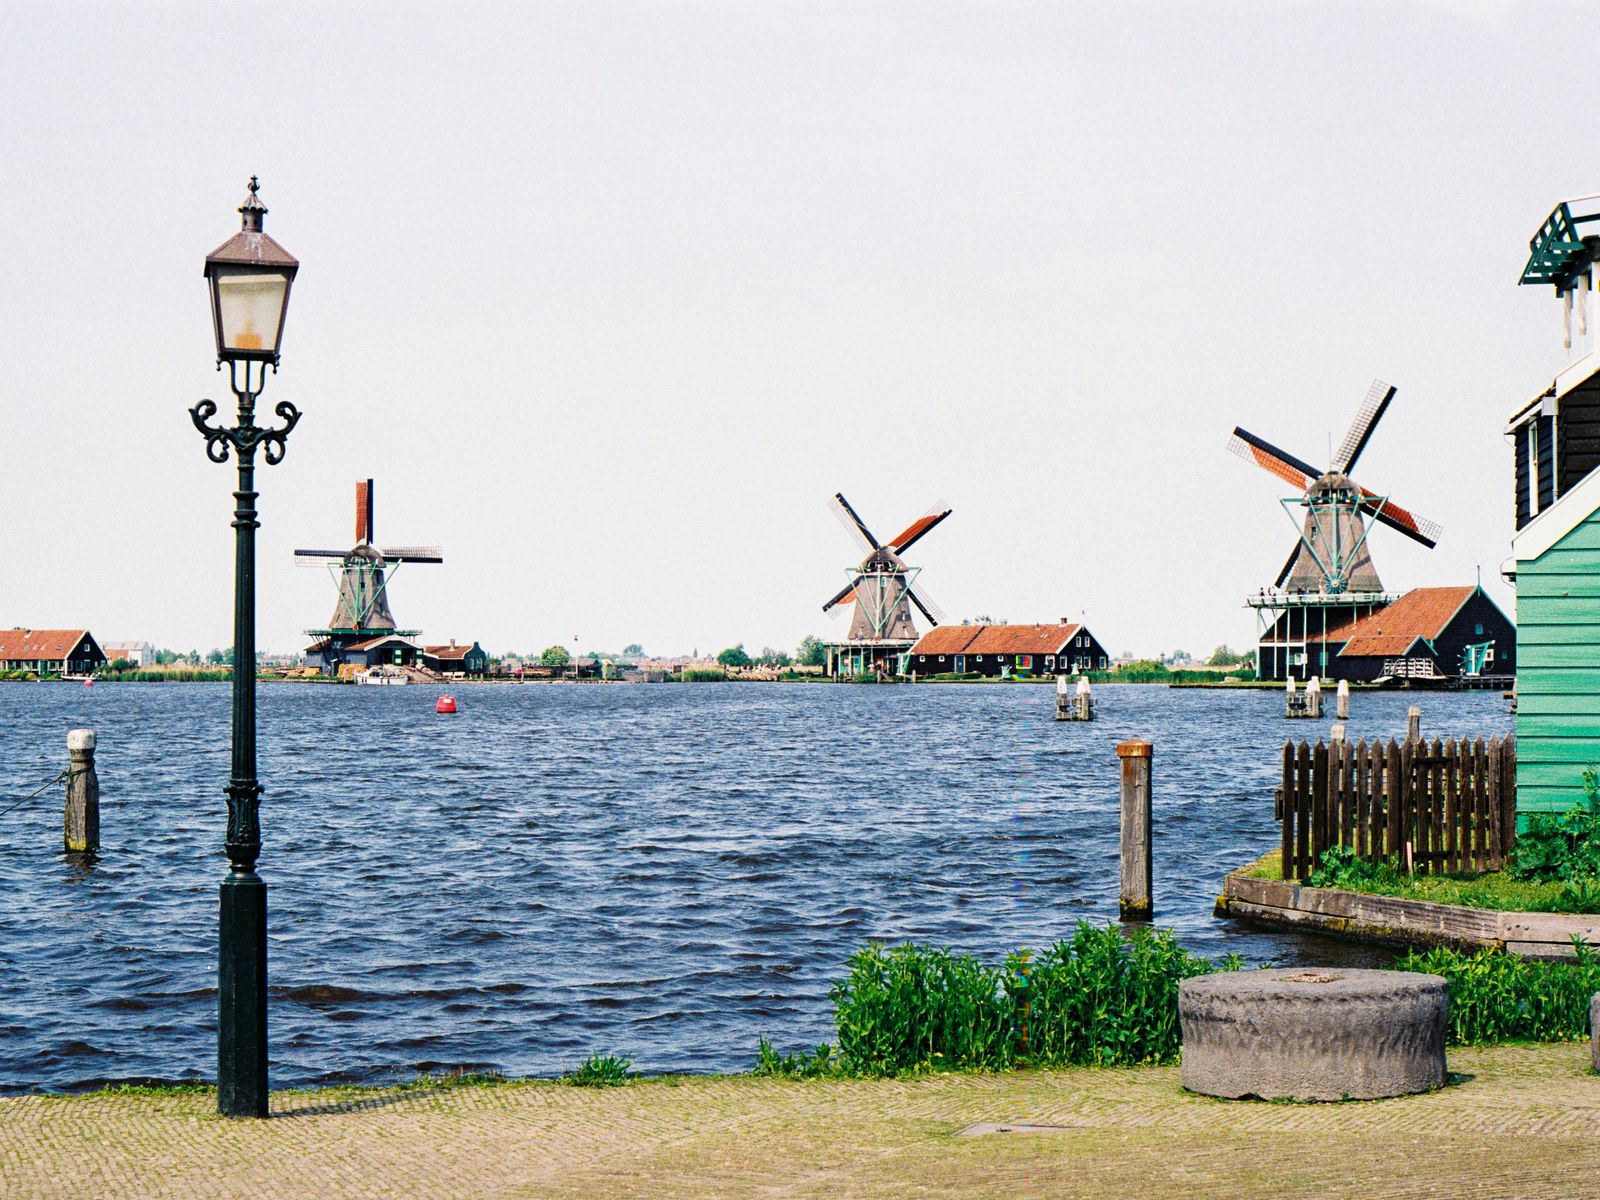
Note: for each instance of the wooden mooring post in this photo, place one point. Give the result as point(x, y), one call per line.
point(1307, 704)
point(1341, 707)
point(81, 832)
point(1136, 772)
point(1414, 723)
point(1074, 705)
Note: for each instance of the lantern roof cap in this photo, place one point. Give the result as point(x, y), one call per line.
point(250, 246)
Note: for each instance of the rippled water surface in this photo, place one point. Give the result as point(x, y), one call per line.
point(666, 872)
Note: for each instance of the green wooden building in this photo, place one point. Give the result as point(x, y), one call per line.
point(1556, 550)
point(1558, 650)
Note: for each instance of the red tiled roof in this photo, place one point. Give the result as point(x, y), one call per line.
point(1023, 639)
point(30, 644)
point(946, 639)
point(451, 651)
point(1420, 613)
point(996, 639)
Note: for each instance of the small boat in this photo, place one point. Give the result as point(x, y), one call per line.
point(391, 676)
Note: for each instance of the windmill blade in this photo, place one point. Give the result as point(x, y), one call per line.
point(918, 528)
point(1417, 528)
point(1269, 458)
point(316, 558)
point(416, 554)
point(929, 609)
point(1287, 566)
point(845, 596)
point(1372, 410)
point(853, 524)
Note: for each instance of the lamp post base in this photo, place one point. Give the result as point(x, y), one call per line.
point(242, 997)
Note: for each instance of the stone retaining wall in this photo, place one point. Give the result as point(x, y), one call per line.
point(1391, 921)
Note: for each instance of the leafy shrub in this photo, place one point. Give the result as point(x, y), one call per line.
point(1098, 998)
point(1340, 867)
point(1497, 997)
point(609, 1070)
point(1565, 846)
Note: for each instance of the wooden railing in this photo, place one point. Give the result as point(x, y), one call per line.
point(1432, 807)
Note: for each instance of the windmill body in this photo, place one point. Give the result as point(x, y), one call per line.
point(1329, 581)
point(362, 631)
point(881, 593)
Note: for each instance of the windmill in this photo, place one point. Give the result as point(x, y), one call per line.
point(362, 574)
point(1331, 558)
point(882, 587)
point(1329, 579)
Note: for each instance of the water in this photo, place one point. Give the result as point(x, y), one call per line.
point(666, 872)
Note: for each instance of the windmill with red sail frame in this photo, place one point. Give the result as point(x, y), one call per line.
point(882, 588)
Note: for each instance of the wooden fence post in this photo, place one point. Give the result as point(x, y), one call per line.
point(1136, 772)
point(81, 832)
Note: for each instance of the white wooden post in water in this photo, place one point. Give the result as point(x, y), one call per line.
point(1136, 777)
point(1342, 707)
point(1414, 724)
point(82, 824)
point(1302, 704)
point(1074, 705)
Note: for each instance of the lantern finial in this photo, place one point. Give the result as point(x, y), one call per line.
point(252, 209)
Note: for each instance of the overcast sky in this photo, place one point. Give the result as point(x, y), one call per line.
point(611, 297)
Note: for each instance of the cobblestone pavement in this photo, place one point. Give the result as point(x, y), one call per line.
point(1518, 1121)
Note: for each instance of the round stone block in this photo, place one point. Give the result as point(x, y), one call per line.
point(1313, 1034)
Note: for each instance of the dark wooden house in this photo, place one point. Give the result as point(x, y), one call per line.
point(1428, 635)
point(1556, 440)
point(467, 662)
point(50, 651)
point(1065, 648)
point(329, 654)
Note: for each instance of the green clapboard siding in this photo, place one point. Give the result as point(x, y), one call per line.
point(1558, 670)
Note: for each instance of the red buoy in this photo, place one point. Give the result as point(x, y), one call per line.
point(88, 681)
point(447, 704)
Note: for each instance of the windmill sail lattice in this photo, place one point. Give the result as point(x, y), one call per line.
point(1332, 556)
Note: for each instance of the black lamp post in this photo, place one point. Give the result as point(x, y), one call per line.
point(249, 276)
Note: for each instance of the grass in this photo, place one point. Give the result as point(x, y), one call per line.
point(1482, 889)
point(168, 675)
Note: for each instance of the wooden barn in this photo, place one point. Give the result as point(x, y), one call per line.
point(50, 651)
point(1066, 648)
point(466, 662)
point(329, 654)
point(1428, 635)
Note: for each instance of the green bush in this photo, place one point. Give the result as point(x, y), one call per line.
point(1098, 998)
point(1496, 997)
point(1565, 846)
point(1339, 867)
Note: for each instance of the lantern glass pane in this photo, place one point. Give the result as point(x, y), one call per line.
point(249, 307)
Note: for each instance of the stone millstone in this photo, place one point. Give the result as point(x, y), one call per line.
point(1313, 1034)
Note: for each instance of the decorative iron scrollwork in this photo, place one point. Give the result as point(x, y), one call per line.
point(247, 435)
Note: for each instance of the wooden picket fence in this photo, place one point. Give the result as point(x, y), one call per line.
point(1433, 807)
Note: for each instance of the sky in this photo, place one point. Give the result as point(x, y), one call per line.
point(610, 298)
